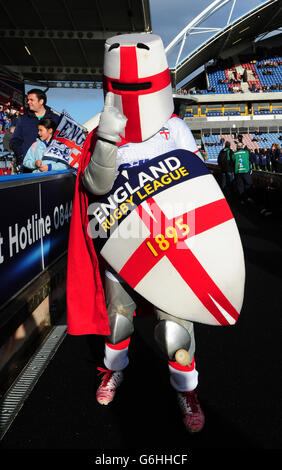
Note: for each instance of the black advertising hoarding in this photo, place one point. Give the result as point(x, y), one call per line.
point(34, 226)
point(56, 207)
point(20, 261)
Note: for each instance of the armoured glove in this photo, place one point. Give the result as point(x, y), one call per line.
point(112, 122)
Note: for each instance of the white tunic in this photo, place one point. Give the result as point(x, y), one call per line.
point(174, 135)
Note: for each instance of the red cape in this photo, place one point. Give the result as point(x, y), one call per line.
point(86, 307)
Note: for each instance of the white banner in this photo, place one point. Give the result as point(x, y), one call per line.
point(67, 141)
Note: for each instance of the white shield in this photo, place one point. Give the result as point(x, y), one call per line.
point(168, 231)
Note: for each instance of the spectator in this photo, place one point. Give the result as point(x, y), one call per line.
point(26, 129)
point(262, 156)
point(244, 183)
point(272, 155)
point(226, 165)
point(34, 158)
point(7, 139)
point(15, 117)
point(268, 159)
point(252, 159)
point(277, 158)
point(2, 118)
point(256, 160)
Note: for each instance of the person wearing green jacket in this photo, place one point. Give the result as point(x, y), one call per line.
point(244, 182)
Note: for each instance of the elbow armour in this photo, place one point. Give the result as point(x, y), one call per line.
point(100, 173)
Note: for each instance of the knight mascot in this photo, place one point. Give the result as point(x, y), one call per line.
point(137, 127)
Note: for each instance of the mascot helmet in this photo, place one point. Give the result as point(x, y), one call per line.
point(136, 71)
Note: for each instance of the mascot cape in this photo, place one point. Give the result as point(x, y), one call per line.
point(86, 306)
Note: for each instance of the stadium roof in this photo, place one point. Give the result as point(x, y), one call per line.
point(233, 39)
point(63, 40)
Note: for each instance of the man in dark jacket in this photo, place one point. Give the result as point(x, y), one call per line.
point(7, 139)
point(26, 130)
point(226, 165)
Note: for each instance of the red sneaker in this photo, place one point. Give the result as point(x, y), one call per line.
point(193, 416)
point(107, 389)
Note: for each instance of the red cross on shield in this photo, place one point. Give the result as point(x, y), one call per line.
point(167, 238)
point(180, 248)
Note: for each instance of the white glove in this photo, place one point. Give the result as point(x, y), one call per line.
point(112, 122)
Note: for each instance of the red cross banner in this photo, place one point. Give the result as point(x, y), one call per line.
point(67, 141)
point(167, 230)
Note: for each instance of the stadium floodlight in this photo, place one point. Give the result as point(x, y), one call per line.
point(193, 26)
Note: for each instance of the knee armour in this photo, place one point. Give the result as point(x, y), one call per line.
point(121, 328)
point(174, 340)
point(120, 307)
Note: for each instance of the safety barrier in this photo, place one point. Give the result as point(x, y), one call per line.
point(34, 228)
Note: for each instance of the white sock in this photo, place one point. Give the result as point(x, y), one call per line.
point(116, 359)
point(183, 381)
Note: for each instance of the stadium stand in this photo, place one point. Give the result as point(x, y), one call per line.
point(240, 74)
point(241, 94)
point(253, 75)
point(214, 143)
point(216, 79)
point(269, 73)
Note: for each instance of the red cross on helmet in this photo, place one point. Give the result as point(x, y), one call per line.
point(136, 71)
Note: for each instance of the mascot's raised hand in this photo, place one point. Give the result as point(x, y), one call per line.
point(112, 122)
point(100, 173)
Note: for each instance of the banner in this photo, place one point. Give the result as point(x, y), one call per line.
point(67, 142)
